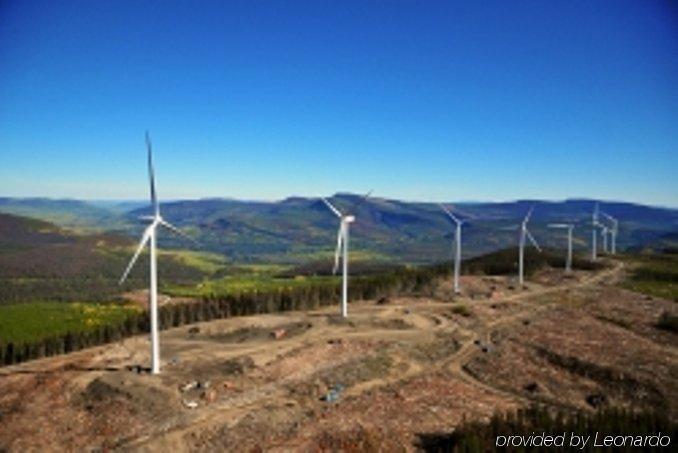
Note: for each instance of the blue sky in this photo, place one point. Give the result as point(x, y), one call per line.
point(419, 100)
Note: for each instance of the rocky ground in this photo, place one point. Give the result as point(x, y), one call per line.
point(397, 368)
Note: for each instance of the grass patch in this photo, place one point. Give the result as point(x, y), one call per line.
point(237, 284)
point(654, 274)
point(461, 310)
point(31, 322)
point(206, 262)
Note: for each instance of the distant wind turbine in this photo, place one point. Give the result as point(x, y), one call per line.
point(613, 232)
point(149, 236)
point(525, 234)
point(594, 233)
point(569, 227)
point(345, 221)
point(457, 242)
point(603, 233)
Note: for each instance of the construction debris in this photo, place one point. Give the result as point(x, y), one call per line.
point(334, 394)
point(189, 386)
point(190, 404)
point(278, 334)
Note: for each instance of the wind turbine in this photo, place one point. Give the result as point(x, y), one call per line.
point(525, 233)
point(345, 221)
point(569, 227)
point(457, 241)
point(613, 231)
point(149, 236)
point(603, 233)
point(594, 236)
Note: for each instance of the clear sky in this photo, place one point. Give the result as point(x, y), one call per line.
point(419, 100)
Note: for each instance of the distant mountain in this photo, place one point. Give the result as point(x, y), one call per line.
point(41, 261)
point(297, 229)
point(68, 213)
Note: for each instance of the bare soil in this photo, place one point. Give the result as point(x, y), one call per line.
point(394, 370)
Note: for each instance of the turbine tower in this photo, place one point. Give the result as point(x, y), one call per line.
point(345, 221)
point(594, 235)
point(569, 227)
point(603, 233)
point(149, 236)
point(613, 232)
point(457, 251)
point(525, 234)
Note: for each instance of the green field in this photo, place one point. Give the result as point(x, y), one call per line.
point(236, 284)
point(206, 262)
point(655, 274)
point(31, 322)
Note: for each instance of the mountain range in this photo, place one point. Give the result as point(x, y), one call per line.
point(299, 229)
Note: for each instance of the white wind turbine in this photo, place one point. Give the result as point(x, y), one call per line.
point(569, 227)
point(613, 232)
point(594, 235)
point(525, 234)
point(603, 233)
point(149, 236)
point(457, 241)
point(345, 221)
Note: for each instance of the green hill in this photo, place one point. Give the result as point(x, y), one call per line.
point(40, 261)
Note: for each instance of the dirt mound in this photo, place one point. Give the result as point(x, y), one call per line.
point(139, 393)
point(257, 333)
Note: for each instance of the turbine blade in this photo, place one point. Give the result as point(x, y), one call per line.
point(332, 208)
point(151, 176)
point(610, 218)
point(176, 230)
point(449, 214)
point(509, 228)
point(140, 247)
point(532, 239)
point(362, 200)
point(529, 214)
point(558, 225)
point(337, 253)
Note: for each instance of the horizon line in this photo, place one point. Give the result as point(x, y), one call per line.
point(279, 200)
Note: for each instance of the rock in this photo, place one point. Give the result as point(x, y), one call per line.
point(278, 334)
point(189, 386)
point(209, 395)
point(532, 387)
point(595, 400)
point(383, 300)
point(136, 368)
point(237, 365)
